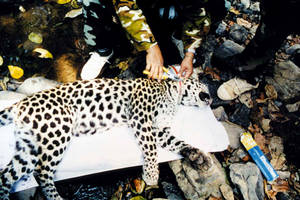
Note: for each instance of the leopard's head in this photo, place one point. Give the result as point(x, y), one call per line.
point(195, 93)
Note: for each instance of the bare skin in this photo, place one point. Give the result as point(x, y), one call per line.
point(155, 62)
point(186, 68)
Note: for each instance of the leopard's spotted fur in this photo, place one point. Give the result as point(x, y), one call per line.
point(46, 121)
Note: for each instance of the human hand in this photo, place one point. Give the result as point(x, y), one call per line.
point(186, 68)
point(154, 63)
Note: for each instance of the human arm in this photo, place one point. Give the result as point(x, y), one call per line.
point(186, 68)
point(134, 22)
point(195, 27)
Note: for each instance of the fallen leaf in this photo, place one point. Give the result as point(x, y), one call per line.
point(63, 1)
point(269, 192)
point(233, 10)
point(123, 65)
point(214, 198)
point(261, 142)
point(73, 13)
point(271, 91)
point(138, 186)
point(15, 71)
point(1, 61)
point(43, 53)
point(35, 37)
point(213, 73)
point(242, 22)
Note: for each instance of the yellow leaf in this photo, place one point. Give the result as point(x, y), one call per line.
point(233, 10)
point(74, 13)
point(44, 53)
point(1, 61)
point(63, 1)
point(35, 37)
point(15, 71)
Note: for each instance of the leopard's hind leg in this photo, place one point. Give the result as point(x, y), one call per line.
point(199, 159)
point(22, 163)
point(53, 144)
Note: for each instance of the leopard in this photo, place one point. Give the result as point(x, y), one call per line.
point(46, 121)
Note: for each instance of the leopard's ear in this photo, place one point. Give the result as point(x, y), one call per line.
point(196, 73)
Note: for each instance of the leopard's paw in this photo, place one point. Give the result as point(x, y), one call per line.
point(199, 159)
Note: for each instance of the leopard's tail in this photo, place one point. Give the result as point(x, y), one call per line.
point(6, 116)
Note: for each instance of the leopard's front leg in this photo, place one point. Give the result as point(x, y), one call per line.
point(143, 133)
point(199, 159)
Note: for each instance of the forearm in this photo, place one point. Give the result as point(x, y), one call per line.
point(134, 22)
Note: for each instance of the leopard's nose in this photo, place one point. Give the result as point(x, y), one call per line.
point(205, 97)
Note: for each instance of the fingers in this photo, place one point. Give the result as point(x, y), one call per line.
point(155, 72)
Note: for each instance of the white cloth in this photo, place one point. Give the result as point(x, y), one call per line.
point(118, 148)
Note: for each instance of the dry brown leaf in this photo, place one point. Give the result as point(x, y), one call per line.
point(214, 198)
point(254, 128)
point(271, 91)
point(280, 186)
point(213, 73)
point(139, 185)
point(261, 142)
point(269, 192)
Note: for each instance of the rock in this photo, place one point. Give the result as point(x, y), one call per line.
point(292, 49)
point(227, 5)
point(220, 113)
point(265, 124)
point(287, 70)
point(238, 33)
point(278, 157)
point(221, 28)
point(227, 192)
point(171, 191)
point(36, 84)
point(228, 48)
point(245, 23)
point(248, 179)
point(241, 115)
point(286, 80)
point(233, 132)
point(284, 174)
point(245, 3)
point(255, 6)
point(199, 185)
point(293, 107)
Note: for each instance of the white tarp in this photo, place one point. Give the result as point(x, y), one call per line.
point(117, 148)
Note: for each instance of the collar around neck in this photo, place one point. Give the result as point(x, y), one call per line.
point(179, 88)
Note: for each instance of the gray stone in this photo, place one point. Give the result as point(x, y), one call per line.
point(292, 49)
point(255, 6)
point(171, 191)
point(220, 114)
point(248, 179)
point(221, 28)
point(293, 107)
point(228, 48)
point(199, 185)
point(286, 80)
point(245, 3)
point(234, 131)
point(36, 84)
point(238, 33)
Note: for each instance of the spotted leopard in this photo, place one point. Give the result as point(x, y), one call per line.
point(46, 121)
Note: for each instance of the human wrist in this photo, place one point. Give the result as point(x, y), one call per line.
point(189, 55)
